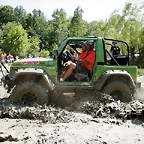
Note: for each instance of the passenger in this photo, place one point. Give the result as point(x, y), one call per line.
point(115, 49)
point(84, 62)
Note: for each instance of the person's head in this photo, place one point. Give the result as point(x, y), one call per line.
point(90, 44)
point(84, 46)
point(114, 43)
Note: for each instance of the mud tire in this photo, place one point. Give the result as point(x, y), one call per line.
point(119, 89)
point(34, 90)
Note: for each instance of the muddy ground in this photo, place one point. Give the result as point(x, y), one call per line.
point(103, 122)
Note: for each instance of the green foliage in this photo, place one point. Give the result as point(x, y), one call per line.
point(16, 42)
point(45, 53)
point(78, 25)
point(58, 26)
point(7, 28)
point(20, 14)
point(1, 51)
point(22, 33)
point(33, 46)
point(6, 15)
point(1, 36)
point(140, 71)
point(54, 46)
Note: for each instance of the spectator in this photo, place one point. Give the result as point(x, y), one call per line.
point(34, 56)
point(40, 56)
point(17, 58)
point(29, 56)
point(115, 50)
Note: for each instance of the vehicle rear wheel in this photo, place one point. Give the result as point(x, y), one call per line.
point(119, 91)
point(28, 93)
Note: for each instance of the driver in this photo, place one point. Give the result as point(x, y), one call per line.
point(83, 49)
point(84, 62)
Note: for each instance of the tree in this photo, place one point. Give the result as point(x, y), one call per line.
point(1, 38)
point(40, 27)
point(16, 42)
point(4, 31)
point(45, 53)
point(39, 21)
point(33, 46)
point(91, 28)
point(20, 15)
point(77, 25)
point(58, 27)
point(6, 15)
point(7, 28)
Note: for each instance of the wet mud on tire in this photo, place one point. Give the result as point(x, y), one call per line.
point(29, 92)
point(119, 91)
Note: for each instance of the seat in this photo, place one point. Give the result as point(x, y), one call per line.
point(121, 60)
point(83, 77)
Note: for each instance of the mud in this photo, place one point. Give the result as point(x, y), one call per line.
point(91, 122)
point(105, 107)
point(46, 114)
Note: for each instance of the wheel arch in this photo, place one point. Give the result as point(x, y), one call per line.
point(112, 75)
point(37, 75)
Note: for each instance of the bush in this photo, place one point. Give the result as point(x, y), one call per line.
point(45, 53)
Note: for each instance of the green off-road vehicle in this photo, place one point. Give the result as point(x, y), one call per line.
point(38, 79)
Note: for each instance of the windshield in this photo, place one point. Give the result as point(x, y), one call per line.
point(60, 48)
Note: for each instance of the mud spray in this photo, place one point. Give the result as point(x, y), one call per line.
point(105, 107)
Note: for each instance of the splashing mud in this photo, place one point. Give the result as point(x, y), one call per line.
point(106, 106)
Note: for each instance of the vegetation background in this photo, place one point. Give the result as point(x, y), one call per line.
point(23, 33)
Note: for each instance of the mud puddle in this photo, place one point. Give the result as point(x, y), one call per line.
point(106, 107)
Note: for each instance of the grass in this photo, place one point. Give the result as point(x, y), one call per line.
point(140, 71)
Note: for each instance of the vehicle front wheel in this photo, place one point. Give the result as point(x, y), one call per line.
point(28, 93)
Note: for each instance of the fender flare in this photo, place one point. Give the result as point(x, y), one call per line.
point(41, 72)
point(111, 73)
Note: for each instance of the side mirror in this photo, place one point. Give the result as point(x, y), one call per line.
point(55, 54)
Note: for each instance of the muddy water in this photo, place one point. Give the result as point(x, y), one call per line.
point(105, 107)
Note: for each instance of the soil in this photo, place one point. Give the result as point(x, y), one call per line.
point(100, 122)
